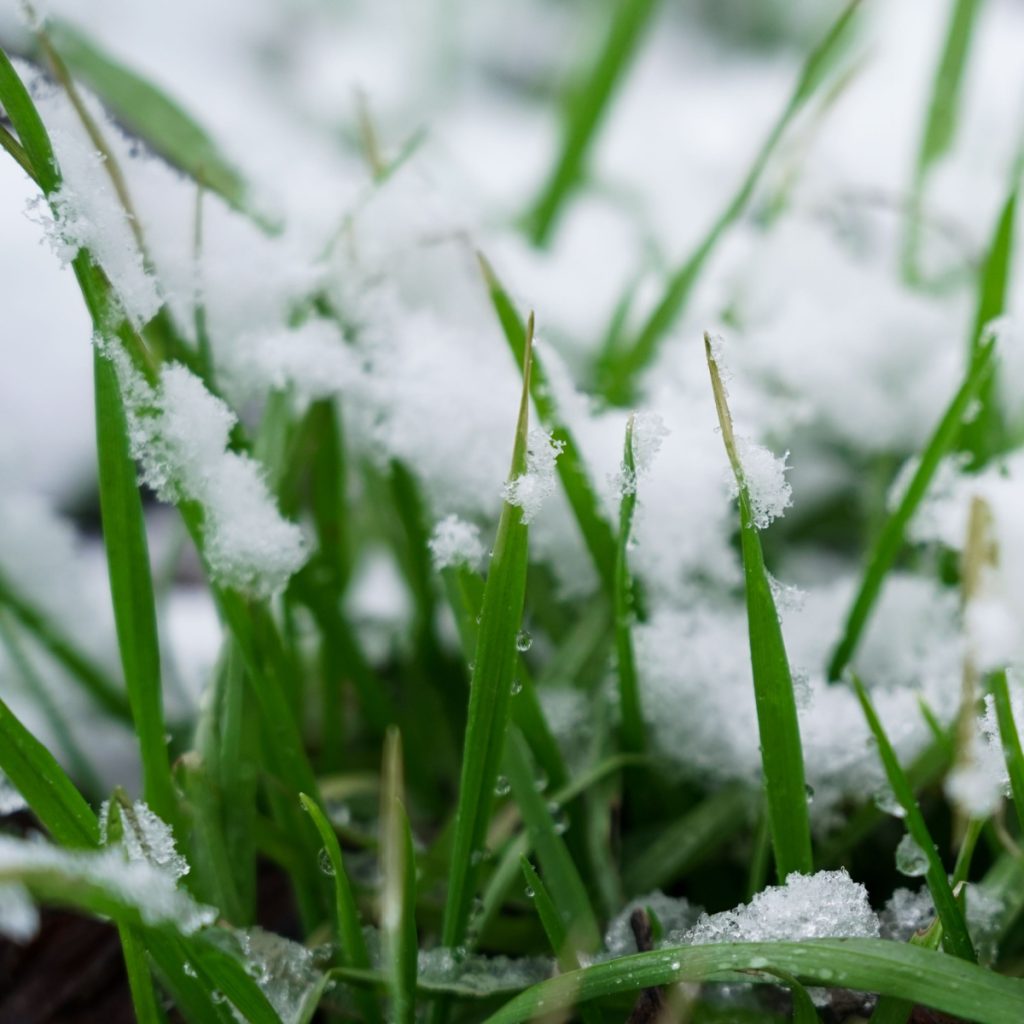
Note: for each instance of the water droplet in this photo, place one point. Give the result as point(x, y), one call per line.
point(218, 997)
point(502, 786)
point(324, 859)
point(885, 800)
point(190, 971)
point(523, 641)
point(675, 965)
point(809, 790)
point(911, 860)
point(529, 892)
point(476, 857)
point(560, 817)
point(517, 687)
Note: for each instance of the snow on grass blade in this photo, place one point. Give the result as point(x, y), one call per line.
point(957, 940)
point(622, 369)
point(47, 790)
point(490, 687)
point(940, 123)
point(890, 539)
point(567, 889)
point(149, 113)
point(579, 490)
point(781, 753)
point(398, 887)
point(348, 927)
point(924, 976)
point(131, 587)
point(633, 731)
point(1010, 739)
point(985, 434)
point(588, 105)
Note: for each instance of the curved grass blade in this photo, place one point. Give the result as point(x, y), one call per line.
point(149, 113)
point(1010, 739)
point(572, 472)
point(490, 688)
point(803, 1006)
point(940, 123)
point(890, 539)
point(51, 795)
point(633, 731)
point(577, 917)
point(31, 134)
point(588, 107)
point(140, 981)
point(923, 976)
point(956, 940)
point(351, 945)
point(398, 887)
point(781, 753)
point(621, 371)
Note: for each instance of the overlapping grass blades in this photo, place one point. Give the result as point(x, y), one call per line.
point(490, 687)
point(781, 752)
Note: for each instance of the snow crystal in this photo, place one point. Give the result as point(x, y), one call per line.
point(478, 975)
point(145, 837)
point(19, 918)
point(828, 904)
point(764, 475)
point(179, 433)
point(11, 801)
point(907, 911)
point(530, 490)
point(456, 542)
point(150, 890)
point(285, 971)
point(649, 431)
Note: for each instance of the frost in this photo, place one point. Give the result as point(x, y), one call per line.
point(19, 918)
point(456, 542)
point(145, 837)
point(138, 884)
point(530, 490)
point(828, 904)
point(179, 432)
point(764, 475)
point(11, 801)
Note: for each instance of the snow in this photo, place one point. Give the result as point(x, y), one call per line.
point(531, 489)
point(828, 904)
point(764, 476)
point(19, 919)
point(456, 542)
point(145, 837)
point(11, 801)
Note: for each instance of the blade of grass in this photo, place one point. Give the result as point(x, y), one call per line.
point(890, 540)
point(621, 371)
point(633, 731)
point(148, 112)
point(868, 965)
point(47, 790)
point(588, 106)
point(572, 472)
point(781, 753)
point(985, 434)
point(490, 688)
point(568, 891)
point(957, 939)
point(1010, 740)
point(398, 886)
point(940, 122)
point(140, 981)
point(352, 950)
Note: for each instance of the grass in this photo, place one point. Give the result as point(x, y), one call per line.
point(451, 851)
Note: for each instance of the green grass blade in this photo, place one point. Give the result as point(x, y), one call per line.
point(348, 927)
point(633, 731)
point(32, 135)
point(490, 689)
point(803, 1006)
point(957, 939)
point(220, 972)
point(140, 981)
point(1010, 739)
point(590, 103)
point(985, 435)
point(572, 472)
point(621, 370)
point(923, 976)
point(563, 880)
point(94, 679)
point(192, 996)
point(781, 753)
point(890, 539)
point(680, 845)
point(47, 790)
point(940, 122)
point(131, 587)
point(398, 887)
point(149, 113)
